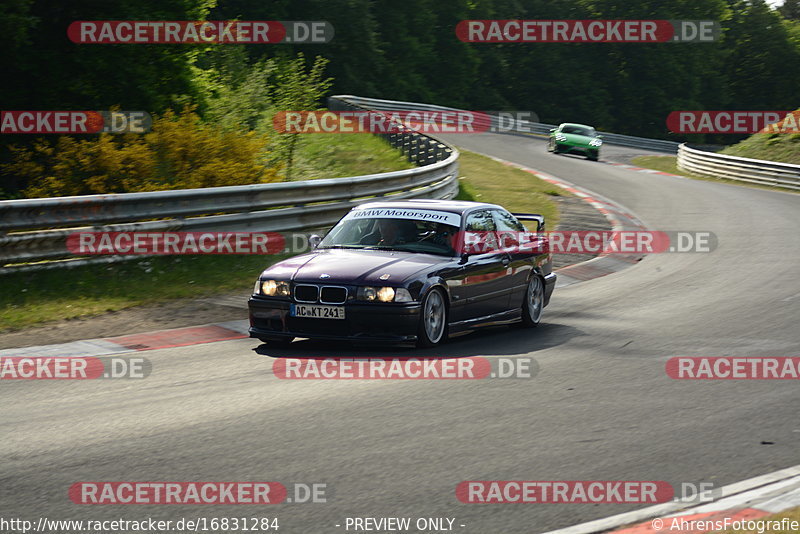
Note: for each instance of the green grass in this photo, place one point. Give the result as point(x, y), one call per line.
point(338, 155)
point(49, 295)
point(769, 146)
point(660, 163)
point(670, 164)
point(37, 297)
point(485, 180)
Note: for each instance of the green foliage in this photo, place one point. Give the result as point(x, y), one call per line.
point(240, 95)
point(406, 51)
point(790, 9)
point(44, 70)
point(179, 153)
point(296, 88)
point(234, 92)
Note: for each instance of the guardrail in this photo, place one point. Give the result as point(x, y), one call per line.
point(517, 127)
point(757, 171)
point(36, 230)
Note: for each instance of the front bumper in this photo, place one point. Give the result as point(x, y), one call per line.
point(549, 286)
point(584, 150)
point(391, 322)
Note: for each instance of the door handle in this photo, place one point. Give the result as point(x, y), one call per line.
point(506, 261)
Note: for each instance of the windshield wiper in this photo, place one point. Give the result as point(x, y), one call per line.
point(384, 247)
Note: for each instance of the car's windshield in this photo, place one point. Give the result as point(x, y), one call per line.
point(410, 235)
point(578, 130)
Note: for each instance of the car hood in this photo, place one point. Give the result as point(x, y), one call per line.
point(577, 139)
point(353, 266)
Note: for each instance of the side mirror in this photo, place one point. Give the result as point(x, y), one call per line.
point(464, 258)
point(552, 130)
point(314, 240)
point(599, 136)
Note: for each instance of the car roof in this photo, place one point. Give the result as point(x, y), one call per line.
point(576, 124)
point(453, 206)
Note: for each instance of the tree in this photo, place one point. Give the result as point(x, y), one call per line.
point(296, 88)
point(790, 9)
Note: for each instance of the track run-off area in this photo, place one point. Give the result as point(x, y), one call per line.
point(601, 406)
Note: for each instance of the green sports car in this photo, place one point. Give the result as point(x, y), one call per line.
point(570, 138)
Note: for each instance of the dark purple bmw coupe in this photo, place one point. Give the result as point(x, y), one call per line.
point(402, 271)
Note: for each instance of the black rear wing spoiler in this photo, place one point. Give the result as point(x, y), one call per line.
point(532, 217)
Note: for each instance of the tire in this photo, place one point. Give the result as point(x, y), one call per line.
point(593, 156)
point(533, 305)
point(550, 145)
point(277, 341)
point(556, 149)
point(433, 319)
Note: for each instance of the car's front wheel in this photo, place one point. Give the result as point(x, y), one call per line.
point(433, 319)
point(533, 305)
point(593, 155)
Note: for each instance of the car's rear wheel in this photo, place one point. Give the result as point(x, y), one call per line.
point(433, 319)
point(533, 305)
point(277, 341)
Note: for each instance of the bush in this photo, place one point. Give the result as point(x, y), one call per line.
point(179, 153)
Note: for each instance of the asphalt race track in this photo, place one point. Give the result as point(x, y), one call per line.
point(601, 407)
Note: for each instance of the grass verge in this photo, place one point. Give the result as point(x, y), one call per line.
point(41, 296)
point(486, 180)
point(338, 155)
point(37, 297)
point(670, 164)
point(783, 147)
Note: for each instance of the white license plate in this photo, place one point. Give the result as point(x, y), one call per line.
point(317, 312)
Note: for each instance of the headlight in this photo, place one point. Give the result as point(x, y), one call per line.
point(257, 287)
point(560, 137)
point(595, 142)
point(384, 294)
point(272, 288)
point(366, 293)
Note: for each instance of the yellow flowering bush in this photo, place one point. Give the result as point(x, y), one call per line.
point(180, 152)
